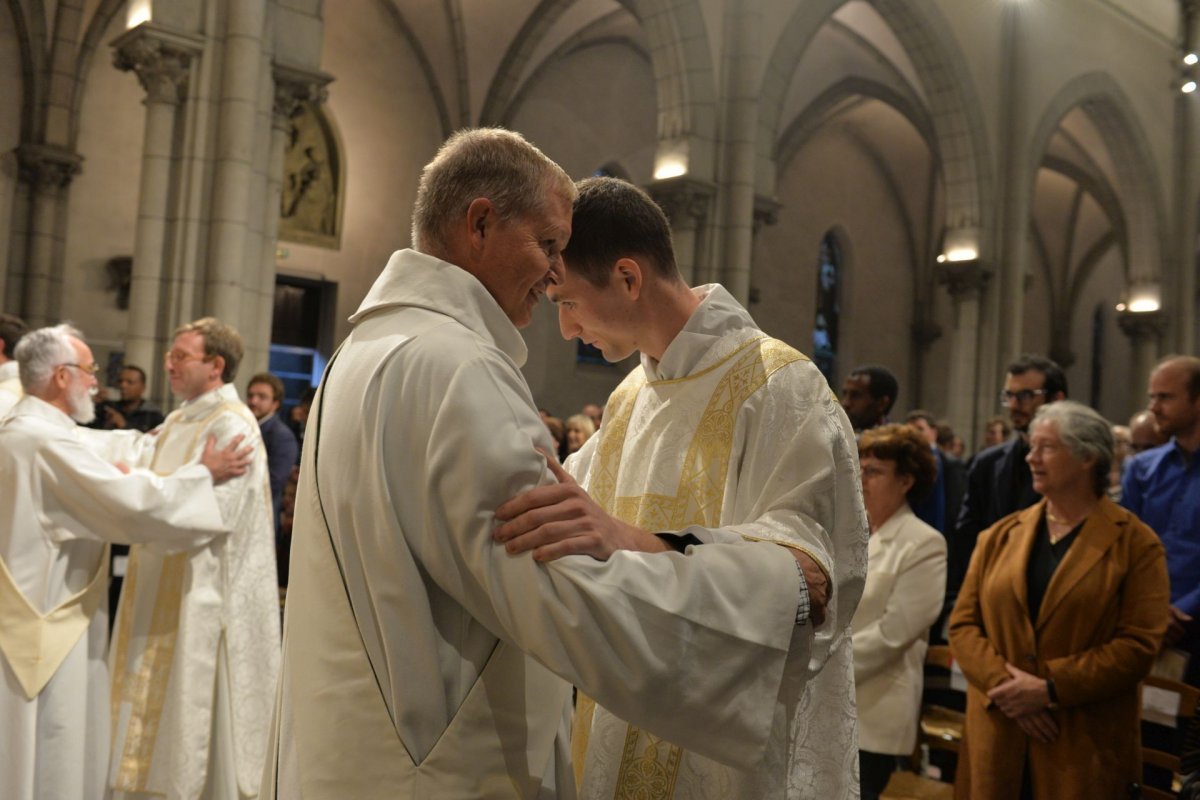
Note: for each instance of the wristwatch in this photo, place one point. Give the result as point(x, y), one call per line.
point(1050, 690)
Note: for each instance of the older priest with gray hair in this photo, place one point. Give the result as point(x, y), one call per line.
point(63, 506)
point(420, 658)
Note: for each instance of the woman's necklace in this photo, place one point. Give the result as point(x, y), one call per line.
point(1067, 525)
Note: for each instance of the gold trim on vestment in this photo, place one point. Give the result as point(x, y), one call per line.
point(649, 766)
point(147, 693)
point(145, 690)
point(36, 644)
point(701, 373)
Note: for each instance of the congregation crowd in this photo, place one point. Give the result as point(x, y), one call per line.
point(721, 583)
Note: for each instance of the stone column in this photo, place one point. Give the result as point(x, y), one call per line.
point(1016, 189)
point(236, 128)
point(965, 281)
point(687, 203)
point(1145, 331)
point(740, 65)
point(48, 170)
point(1183, 247)
point(161, 61)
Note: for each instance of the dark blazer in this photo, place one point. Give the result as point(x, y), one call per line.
point(1097, 634)
point(281, 457)
point(998, 483)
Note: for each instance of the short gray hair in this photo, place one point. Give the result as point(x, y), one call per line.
point(1085, 433)
point(482, 162)
point(40, 352)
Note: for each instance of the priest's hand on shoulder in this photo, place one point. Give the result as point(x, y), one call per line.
point(561, 519)
point(228, 462)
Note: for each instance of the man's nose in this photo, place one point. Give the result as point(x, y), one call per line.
point(566, 327)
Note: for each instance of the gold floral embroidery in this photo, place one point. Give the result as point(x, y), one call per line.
point(147, 691)
point(649, 771)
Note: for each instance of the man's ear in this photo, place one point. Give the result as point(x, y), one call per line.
point(218, 363)
point(480, 216)
point(628, 273)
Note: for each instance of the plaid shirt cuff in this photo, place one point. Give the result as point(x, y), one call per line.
point(802, 606)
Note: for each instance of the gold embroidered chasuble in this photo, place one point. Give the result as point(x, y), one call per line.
point(191, 621)
point(735, 436)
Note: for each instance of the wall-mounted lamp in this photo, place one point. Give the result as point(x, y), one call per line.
point(1187, 87)
point(139, 12)
point(1191, 59)
point(959, 244)
point(671, 160)
point(1143, 298)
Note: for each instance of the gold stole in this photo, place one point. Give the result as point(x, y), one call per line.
point(35, 644)
point(650, 766)
point(146, 689)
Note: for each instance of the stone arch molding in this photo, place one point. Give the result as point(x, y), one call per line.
point(812, 118)
point(1138, 181)
point(954, 108)
point(679, 55)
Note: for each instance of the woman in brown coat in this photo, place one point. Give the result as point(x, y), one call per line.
point(1058, 620)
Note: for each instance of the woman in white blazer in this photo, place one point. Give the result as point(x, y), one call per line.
point(906, 584)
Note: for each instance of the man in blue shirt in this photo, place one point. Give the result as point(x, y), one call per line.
point(1162, 486)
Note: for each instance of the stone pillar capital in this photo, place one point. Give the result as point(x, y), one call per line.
point(295, 86)
point(766, 211)
point(684, 200)
point(160, 57)
point(965, 280)
point(1142, 326)
point(47, 166)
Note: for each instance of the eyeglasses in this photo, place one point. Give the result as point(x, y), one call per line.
point(91, 369)
point(1022, 396)
point(177, 357)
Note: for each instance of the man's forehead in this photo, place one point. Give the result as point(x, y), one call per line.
point(1032, 377)
point(190, 339)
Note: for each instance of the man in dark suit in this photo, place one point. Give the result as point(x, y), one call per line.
point(999, 481)
point(264, 396)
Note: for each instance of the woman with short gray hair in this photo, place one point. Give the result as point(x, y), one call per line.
point(1058, 621)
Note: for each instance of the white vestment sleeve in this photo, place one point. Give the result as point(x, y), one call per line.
point(92, 499)
point(692, 647)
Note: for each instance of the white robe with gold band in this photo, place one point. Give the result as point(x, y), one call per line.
point(734, 436)
point(423, 661)
point(195, 651)
point(63, 506)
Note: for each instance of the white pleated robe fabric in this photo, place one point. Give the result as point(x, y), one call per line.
point(195, 649)
point(62, 507)
point(736, 437)
point(10, 387)
point(420, 659)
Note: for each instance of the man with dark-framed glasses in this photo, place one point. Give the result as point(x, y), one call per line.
point(999, 481)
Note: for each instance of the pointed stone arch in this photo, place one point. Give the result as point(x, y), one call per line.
point(679, 57)
point(793, 138)
point(92, 37)
point(954, 108)
point(427, 70)
point(31, 40)
point(1138, 181)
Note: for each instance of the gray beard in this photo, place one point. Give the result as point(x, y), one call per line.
point(83, 408)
